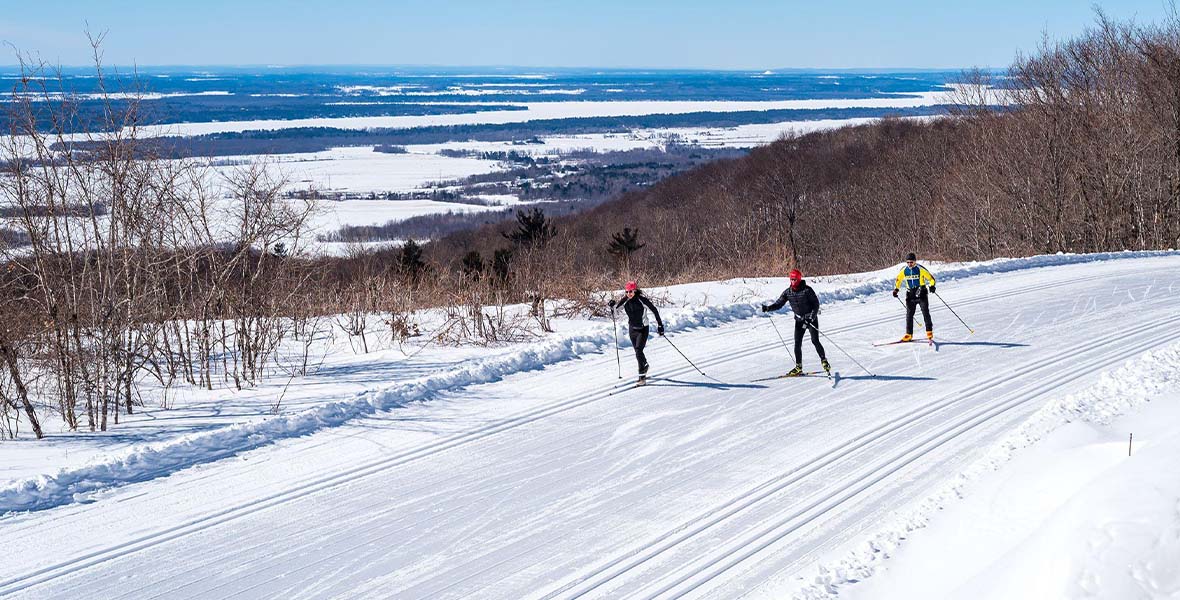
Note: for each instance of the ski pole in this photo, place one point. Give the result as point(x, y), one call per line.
point(615, 328)
point(780, 335)
point(686, 358)
point(907, 310)
point(948, 307)
point(816, 329)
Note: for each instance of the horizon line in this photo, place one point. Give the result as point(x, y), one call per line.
point(275, 66)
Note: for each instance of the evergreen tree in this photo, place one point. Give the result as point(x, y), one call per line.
point(502, 264)
point(410, 260)
point(473, 265)
point(533, 229)
point(625, 243)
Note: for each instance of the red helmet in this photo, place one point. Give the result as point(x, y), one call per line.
point(631, 286)
point(795, 275)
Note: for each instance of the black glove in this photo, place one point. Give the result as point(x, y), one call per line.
point(765, 308)
point(660, 330)
point(611, 304)
point(931, 289)
point(894, 292)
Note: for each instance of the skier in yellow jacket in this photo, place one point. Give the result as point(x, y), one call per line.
point(916, 279)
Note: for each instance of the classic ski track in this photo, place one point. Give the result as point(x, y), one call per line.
point(502, 557)
point(454, 582)
point(70, 566)
point(882, 469)
point(858, 482)
point(616, 388)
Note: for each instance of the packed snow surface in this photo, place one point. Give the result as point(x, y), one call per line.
point(532, 471)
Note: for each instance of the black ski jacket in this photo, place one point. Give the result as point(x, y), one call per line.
point(803, 300)
point(635, 309)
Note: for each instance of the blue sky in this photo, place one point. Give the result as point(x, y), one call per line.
point(754, 34)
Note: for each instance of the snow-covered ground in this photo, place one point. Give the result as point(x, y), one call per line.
point(526, 471)
point(360, 169)
point(1074, 516)
point(552, 110)
point(741, 136)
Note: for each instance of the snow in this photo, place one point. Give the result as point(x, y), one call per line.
point(551, 110)
point(58, 96)
point(741, 136)
point(522, 471)
point(333, 214)
point(1073, 516)
point(360, 169)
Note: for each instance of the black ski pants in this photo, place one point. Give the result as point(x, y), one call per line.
point(639, 340)
point(913, 298)
point(801, 325)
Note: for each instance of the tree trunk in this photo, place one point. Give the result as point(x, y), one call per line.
point(10, 359)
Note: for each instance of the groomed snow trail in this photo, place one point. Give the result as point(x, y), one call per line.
point(548, 485)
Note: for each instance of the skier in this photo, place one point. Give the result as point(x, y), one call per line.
point(636, 305)
point(916, 279)
point(805, 305)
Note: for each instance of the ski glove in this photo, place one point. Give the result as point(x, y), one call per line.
point(931, 289)
point(660, 330)
point(765, 308)
point(894, 292)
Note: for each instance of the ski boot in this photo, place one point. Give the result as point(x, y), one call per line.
point(930, 335)
point(827, 367)
point(797, 371)
point(907, 337)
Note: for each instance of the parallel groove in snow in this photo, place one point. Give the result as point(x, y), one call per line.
point(329, 561)
point(374, 467)
point(718, 564)
point(619, 566)
point(159, 460)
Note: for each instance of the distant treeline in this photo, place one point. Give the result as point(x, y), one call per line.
point(167, 290)
point(572, 182)
point(1086, 159)
point(193, 108)
point(434, 226)
point(316, 139)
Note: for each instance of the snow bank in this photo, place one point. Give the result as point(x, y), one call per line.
point(1107, 542)
point(1118, 537)
point(149, 461)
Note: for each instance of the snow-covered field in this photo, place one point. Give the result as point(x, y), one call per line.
point(552, 110)
point(527, 471)
point(361, 170)
point(741, 136)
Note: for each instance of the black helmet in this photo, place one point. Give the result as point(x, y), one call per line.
point(911, 256)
